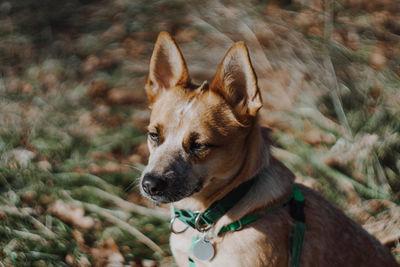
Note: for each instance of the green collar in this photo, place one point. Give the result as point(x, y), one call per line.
point(203, 221)
point(296, 201)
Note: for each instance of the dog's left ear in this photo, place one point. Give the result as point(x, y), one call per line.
point(167, 67)
point(236, 82)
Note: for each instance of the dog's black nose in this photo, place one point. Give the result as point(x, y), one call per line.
point(153, 185)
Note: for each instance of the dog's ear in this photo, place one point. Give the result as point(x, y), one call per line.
point(236, 82)
point(167, 67)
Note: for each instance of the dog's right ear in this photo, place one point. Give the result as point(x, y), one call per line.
point(167, 67)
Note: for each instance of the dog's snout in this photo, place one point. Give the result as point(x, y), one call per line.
point(153, 185)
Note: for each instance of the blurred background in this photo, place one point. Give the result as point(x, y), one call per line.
point(73, 114)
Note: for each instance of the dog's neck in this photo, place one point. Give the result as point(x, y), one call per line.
point(256, 159)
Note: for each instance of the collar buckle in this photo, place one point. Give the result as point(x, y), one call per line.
point(240, 225)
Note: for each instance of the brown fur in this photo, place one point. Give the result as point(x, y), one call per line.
point(206, 141)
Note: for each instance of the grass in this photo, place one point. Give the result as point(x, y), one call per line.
point(58, 142)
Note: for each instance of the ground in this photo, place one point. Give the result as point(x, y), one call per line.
point(73, 114)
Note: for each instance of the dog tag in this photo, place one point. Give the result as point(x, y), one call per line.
point(203, 249)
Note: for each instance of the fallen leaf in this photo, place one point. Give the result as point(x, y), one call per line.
point(71, 214)
point(22, 156)
point(107, 253)
point(44, 165)
point(135, 159)
point(26, 88)
point(90, 64)
point(115, 32)
point(70, 259)
point(385, 226)
point(78, 236)
point(109, 167)
point(83, 261)
point(126, 96)
point(49, 80)
point(185, 35)
point(89, 124)
point(149, 263)
point(95, 169)
point(98, 88)
point(377, 59)
point(112, 56)
point(134, 48)
point(3, 215)
point(112, 167)
point(313, 135)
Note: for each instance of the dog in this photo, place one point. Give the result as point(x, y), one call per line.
point(205, 142)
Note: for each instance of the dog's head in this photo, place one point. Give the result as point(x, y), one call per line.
point(197, 134)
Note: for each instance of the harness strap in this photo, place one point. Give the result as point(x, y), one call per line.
point(297, 238)
point(191, 261)
point(296, 245)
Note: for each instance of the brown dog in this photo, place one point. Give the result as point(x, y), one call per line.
point(205, 141)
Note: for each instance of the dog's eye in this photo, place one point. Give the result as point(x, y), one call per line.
point(198, 147)
point(154, 137)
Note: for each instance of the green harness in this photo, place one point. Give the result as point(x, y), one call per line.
point(204, 221)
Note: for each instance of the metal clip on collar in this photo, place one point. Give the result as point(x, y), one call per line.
point(171, 226)
point(204, 227)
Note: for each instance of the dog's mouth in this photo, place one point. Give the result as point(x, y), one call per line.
point(170, 190)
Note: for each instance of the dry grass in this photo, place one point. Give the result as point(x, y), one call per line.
point(73, 112)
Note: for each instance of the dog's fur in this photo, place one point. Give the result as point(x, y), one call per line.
point(206, 140)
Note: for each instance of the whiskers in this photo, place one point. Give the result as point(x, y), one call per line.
point(135, 183)
point(138, 168)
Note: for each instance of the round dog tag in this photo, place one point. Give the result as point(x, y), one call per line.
point(203, 250)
